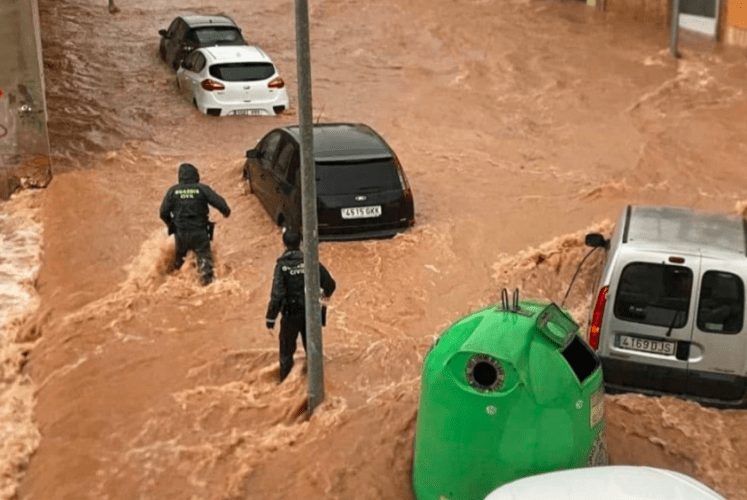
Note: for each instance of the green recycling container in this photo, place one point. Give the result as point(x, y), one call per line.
point(507, 392)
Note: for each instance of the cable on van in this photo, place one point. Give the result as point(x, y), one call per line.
point(576, 274)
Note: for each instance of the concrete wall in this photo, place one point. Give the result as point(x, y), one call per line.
point(24, 142)
point(735, 31)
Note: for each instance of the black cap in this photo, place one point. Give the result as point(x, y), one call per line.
point(292, 239)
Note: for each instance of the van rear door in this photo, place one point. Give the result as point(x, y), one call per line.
point(716, 358)
point(649, 321)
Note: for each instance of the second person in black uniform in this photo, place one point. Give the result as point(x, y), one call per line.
point(288, 298)
point(185, 211)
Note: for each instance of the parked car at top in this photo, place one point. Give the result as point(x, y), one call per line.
point(237, 80)
point(668, 314)
point(190, 32)
point(362, 190)
point(612, 482)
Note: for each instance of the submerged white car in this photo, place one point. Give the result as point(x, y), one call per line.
point(232, 80)
point(613, 482)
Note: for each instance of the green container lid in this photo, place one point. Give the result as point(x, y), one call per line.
point(506, 393)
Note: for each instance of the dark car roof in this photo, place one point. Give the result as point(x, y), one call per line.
point(339, 141)
point(194, 21)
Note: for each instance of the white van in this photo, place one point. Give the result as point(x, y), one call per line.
point(668, 313)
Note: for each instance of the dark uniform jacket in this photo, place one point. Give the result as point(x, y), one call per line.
point(288, 286)
point(185, 205)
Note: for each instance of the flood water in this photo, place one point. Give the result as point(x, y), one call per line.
point(521, 124)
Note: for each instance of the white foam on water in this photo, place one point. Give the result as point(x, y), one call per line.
point(20, 258)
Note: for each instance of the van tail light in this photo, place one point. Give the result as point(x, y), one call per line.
point(276, 83)
point(596, 318)
point(211, 85)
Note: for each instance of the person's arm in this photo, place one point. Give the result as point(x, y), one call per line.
point(216, 200)
point(166, 208)
point(326, 280)
point(276, 296)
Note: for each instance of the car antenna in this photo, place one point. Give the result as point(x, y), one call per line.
point(576, 274)
point(319, 118)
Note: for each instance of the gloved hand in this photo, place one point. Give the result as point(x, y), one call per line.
point(270, 324)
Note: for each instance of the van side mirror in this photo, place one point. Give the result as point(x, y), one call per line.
point(251, 153)
point(596, 240)
point(163, 33)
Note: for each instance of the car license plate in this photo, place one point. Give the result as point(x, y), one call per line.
point(247, 112)
point(638, 344)
point(361, 212)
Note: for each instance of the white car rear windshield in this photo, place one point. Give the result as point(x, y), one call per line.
point(242, 72)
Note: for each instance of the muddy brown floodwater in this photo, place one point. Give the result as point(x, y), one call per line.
point(521, 125)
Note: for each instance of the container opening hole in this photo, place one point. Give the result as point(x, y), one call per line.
point(485, 374)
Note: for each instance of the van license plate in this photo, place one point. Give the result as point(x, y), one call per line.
point(361, 212)
point(638, 344)
point(247, 112)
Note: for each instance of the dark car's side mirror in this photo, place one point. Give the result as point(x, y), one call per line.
point(252, 153)
point(287, 187)
point(163, 33)
point(596, 240)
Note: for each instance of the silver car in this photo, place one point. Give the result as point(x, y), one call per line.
point(668, 314)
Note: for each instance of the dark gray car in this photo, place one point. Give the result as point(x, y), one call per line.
point(187, 33)
point(362, 191)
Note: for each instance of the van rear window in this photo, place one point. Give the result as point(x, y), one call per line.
point(654, 294)
point(721, 304)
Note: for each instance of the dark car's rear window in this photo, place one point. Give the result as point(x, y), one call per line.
point(242, 72)
point(654, 294)
point(359, 177)
point(216, 35)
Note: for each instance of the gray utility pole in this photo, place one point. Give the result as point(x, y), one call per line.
point(675, 28)
point(308, 196)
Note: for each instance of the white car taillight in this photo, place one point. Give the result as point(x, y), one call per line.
point(211, 85)
point(276, 83)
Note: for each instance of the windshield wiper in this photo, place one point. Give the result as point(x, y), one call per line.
point(674, 320)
